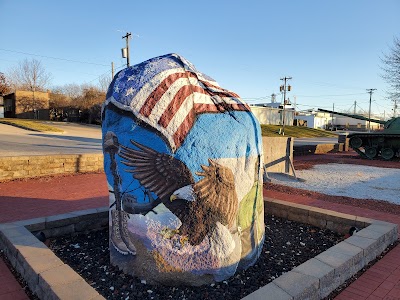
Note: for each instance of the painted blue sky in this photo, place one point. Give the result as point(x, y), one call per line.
point(331, 49)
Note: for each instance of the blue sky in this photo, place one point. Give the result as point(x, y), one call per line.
point(331, 49)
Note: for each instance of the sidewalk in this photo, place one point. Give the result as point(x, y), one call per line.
point(33, 198)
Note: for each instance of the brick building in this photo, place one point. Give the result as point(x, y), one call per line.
point(27, 105)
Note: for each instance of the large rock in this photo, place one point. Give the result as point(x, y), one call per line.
point(182, 158)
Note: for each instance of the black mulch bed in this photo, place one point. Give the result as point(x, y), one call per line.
point(287, 245)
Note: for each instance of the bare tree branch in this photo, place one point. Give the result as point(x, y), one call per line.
point(391, 69)
point(30, 75)
point(104, 82)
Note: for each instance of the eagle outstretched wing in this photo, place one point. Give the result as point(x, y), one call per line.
point(158, 172)
point(217, 190)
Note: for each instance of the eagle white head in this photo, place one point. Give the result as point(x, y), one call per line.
point(185, 193)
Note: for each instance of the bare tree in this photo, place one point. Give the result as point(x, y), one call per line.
point(5, 87)
point(71, 90)
point(391, 69)
point(30, 75)
point(104, 82)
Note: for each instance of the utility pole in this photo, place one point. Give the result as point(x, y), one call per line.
point(370, 91)
point(128, 34)
point(284, 89)
point(394, 108)
point(112, 70)
point(333, 110)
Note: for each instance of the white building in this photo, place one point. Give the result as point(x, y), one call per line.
point(272, 113)
point(313, 119)
point(351, 123)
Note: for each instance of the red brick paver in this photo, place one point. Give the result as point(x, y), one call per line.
point(9, 287)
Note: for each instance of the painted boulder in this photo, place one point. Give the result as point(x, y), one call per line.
point(182, 158)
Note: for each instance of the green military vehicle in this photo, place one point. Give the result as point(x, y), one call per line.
point(384, 143)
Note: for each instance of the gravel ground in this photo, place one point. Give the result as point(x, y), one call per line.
point(287, 244)
point(348, 180)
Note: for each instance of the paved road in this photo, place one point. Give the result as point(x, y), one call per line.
point(76, 139)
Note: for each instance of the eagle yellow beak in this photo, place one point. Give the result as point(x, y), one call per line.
point(172, 198)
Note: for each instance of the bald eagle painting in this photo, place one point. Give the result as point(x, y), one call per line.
point(198, 205)
point(182, 158)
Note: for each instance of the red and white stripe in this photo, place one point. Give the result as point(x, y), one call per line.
point(170, 101)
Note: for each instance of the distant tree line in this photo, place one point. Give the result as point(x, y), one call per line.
point(74, 102)
point(69, 102)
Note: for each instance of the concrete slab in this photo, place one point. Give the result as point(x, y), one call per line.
point(341, 262)
point(299, 286)
point(328, 279)
point(34, 266)
point(51, 279)
point(75, 290)
point(269, 291)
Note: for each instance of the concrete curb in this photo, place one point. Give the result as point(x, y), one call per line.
point(319, 276)
point(50, 278)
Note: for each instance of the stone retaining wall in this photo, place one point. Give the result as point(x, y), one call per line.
point(38, 165)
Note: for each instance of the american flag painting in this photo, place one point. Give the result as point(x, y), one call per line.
point(167, 93)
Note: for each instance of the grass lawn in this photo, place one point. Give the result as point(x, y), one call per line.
point(267, 130)
point(294, 131)
point(35, 125)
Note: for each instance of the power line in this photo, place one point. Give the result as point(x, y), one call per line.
point(339, 95)
point(57, 58)
point(335, 85)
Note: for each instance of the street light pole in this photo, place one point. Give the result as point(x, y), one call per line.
point(283, 87)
